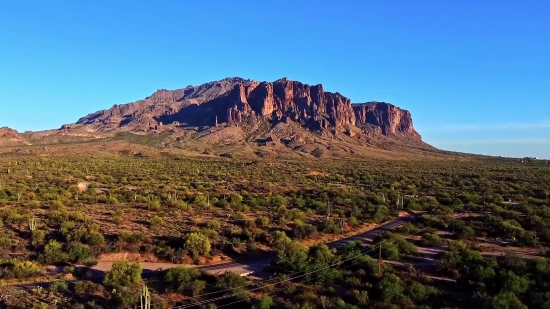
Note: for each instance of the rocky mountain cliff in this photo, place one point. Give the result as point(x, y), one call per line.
point(249, 104)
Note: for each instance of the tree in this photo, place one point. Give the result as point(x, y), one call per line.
point(123, 274)
point(197, 244)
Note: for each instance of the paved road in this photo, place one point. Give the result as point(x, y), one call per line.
point(259, 264)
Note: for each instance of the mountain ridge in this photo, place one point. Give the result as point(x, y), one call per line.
point(231, 100)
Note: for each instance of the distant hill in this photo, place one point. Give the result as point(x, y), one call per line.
point(10, 137)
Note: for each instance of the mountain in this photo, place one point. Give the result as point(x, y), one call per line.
point(10, 137)
point(245, 103)
point(247, 118)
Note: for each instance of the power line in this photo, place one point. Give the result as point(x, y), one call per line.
point(286, 280)
point(264, 281)
point(263, 286)
point(303, 281)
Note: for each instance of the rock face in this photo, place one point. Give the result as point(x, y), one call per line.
point(389, 118)
point(245, 103)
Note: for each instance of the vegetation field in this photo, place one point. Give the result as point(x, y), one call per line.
point(87, 231)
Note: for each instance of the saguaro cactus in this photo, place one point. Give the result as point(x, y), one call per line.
point(32, 224)
point(145, 298)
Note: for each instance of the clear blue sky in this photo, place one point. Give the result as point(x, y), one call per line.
point(474, 74)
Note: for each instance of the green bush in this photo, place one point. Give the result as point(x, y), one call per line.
point(16, 269)
point(88, 287)
point(197, 244)
point(232, 281)
point(53, 254)
point(59, 287)
point(123, 274)
point(180, 279)
point(79, 253)
point(429, 239)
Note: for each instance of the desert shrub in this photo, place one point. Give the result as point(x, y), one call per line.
point(88, 287)
point(57, 205)
point(37, 237)
point(304, 231)
point(277, 238)
point(181, 279)
point(34, 204)
point(123, 297)
point(429, 239)
point(156, 221)
point(16, 269)
point(6, 242)
point(59, 287)
point(123, 274)
point(262, 221)
point(353, 222)
point(53, 253)
point(79, 253)
point(232, 281)
point(332, 228)
point(197, 286)
point(214, 224)
point(197, 244)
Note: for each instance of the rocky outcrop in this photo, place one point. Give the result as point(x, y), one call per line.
point(10, 137)
point(242, 102)
point(388, 117)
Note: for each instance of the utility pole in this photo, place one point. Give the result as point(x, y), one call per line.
point(380, 261)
